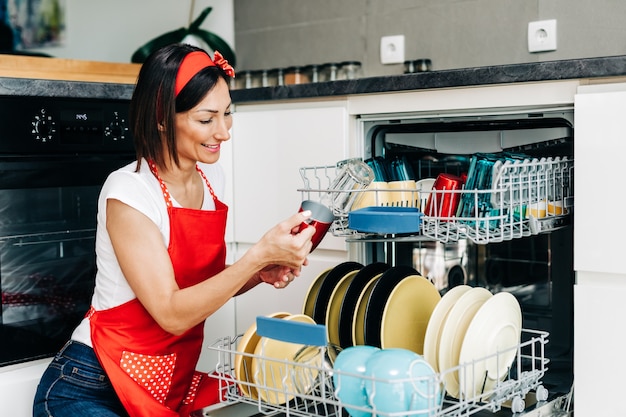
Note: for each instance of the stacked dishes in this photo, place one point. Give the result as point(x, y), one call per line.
point(468, 325)
point(261, 369)
point(376, 305)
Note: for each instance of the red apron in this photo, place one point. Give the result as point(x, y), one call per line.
point(153, 371)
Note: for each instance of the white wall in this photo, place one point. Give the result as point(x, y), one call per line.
point(112, 30)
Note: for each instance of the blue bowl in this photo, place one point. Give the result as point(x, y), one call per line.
point(401, 381)
point(349, 386)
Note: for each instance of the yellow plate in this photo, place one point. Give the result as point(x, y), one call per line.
point(358, 323)
point(272, 365)
point(453, 333)
point(436, 323)
point(334, 307)
point(243, 363)
point(407, 311)
point(311, 294)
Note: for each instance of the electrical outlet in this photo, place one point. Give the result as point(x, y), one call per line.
point(392, 49)
point(542, 36)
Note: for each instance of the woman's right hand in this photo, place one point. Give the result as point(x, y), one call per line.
point(283, 245)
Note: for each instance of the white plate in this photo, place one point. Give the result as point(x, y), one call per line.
point(453, 333)
point(436, 323)
point(407, 312)
point(271, 369)
point(496, 328)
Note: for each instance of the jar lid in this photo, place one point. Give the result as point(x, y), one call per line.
point(357, 63)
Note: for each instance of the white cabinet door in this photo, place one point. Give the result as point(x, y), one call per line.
point(600, 153)
point(270, 143)
point(599, 340)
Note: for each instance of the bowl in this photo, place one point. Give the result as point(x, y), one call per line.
point(399, 381)
point(349, 385)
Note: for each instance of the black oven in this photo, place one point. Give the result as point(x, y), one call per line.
point(55, 154)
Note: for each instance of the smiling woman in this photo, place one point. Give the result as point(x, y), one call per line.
point(161, 252)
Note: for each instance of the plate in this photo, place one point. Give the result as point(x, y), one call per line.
point(334, 308)
point(311, 294)
point(378, 299)
point(351, 298)
point(358, 320)
point(328, 285)
point(269, 370)
point(496, 327)
point(243, 363)
point(436, 323)
point(407, 312)
point(453, 332)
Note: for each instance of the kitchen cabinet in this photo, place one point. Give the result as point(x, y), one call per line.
point(600, 290)
point(270, 143)
point(600, 149)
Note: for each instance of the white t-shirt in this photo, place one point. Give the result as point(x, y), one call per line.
point(142, 191)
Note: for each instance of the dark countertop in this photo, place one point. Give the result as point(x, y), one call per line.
point(499, 74)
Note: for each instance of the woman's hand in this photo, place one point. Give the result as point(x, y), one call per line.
point(283, 245)
point(277, 275)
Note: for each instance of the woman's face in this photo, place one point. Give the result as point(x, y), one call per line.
point(201, 130)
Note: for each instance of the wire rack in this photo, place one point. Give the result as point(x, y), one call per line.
point(524, 197)
point(310, 386)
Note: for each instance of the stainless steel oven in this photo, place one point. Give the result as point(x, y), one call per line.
point(55, 153)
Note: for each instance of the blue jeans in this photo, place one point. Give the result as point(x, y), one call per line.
point(76, 385)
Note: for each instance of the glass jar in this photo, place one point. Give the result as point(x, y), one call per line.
point(312, 71)
point(423, 65)
point(329, 71)
point(295, 75)
point(350, 70)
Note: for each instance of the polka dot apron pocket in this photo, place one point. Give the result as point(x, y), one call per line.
point(154, 373)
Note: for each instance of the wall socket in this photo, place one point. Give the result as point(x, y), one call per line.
point(542, 36)
point(392, 49)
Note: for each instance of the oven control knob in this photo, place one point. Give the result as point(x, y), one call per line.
point(44, 127)
point(117, 129)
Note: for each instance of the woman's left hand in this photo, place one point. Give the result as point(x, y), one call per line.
point(277, 275)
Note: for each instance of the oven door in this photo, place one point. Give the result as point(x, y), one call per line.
point(48, 208)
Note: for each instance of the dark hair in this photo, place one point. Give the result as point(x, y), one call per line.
point(154, 105)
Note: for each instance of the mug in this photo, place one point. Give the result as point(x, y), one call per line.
point(321, 218)
point(441, 202)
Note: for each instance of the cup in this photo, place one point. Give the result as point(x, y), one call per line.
point(404, 194)
point(321, 218)
point(372, 196)
point(442, 202)
point(352, 174)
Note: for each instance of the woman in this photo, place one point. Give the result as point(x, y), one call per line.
point(161, 254)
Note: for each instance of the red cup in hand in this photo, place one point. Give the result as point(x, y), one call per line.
point(321, 218)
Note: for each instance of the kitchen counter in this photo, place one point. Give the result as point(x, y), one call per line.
point(604, 67)
point(463, 77)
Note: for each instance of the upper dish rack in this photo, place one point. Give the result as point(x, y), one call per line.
point(305, 388)
point(510, 198)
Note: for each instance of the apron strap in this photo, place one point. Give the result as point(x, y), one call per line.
point(166, 194)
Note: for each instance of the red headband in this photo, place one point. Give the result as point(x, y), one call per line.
point(196, 61)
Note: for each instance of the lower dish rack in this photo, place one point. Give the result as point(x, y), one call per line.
point(307, 385)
